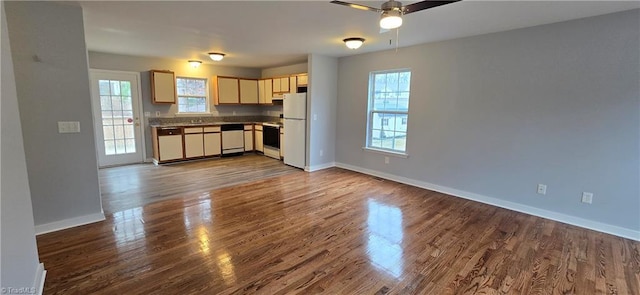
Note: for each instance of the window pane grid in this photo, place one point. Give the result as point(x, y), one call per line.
point(192, 95)
point(117, 117)
point(388, 110)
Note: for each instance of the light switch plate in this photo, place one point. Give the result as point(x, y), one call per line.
point(587, 197)
point(68, 127)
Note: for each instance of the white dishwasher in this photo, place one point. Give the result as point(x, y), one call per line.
point(232, 139)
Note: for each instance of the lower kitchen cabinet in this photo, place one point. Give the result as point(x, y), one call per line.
point(212, 141)
point(248, 137)
point(193, 142)
point(259, 146)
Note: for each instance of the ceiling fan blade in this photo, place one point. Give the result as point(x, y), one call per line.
point(425, 5)
point(357, 6)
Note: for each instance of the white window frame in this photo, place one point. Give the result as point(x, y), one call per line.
point(207, 106)
point(371, 112)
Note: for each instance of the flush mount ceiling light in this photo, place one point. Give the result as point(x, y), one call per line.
point(217, 56)
point(354, 42)
point(195, 63)
point(391, 19)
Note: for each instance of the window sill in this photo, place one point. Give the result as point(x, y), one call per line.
point(386, 152)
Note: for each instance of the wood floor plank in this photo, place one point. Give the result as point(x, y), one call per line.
point(332, 232)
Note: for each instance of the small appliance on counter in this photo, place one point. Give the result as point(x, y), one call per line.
point(295, 129)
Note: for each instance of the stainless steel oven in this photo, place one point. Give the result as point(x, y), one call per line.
point(271, 139)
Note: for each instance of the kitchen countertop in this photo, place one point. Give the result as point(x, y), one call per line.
point(186, 124)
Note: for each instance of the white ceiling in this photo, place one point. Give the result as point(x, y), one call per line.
point(264, 34)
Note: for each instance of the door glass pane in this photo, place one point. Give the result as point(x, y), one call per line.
point(117, 116)
point(120, 147)
point(130, 145)
point(108, 132)
point(109, 147)
point(128, 131)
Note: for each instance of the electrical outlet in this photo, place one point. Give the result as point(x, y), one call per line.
point(542, 189)
point(587, 197)
point(157, 113)
point(386, 160)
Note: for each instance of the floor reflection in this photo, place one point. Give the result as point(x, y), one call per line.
point(202, 211)
point(128, 226)
point(385, 237)
point(225, 266)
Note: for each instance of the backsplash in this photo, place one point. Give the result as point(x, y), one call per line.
point(209, 119)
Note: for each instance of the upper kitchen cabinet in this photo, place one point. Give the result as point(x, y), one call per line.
point(293, 84)
point(226, 90)
point(302, 80)
point(268, 91)
point(265, 91)
point(284, 84)
point(249, 91)
point(281, 85)
point(163, 86)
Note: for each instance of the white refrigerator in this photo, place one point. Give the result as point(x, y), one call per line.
point(295, 129)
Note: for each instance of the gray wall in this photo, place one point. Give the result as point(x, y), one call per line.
point(62, 168)
point(497, 114)
point(285, 70)
point(142, 65)
point(18, 253)
point(321, 112)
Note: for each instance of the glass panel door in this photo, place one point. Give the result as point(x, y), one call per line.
point(118, 134)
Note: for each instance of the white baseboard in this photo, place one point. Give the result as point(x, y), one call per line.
point(38, 283)
point(560, 217)
point(148, 160)
point(319, 167)
point(69, 223)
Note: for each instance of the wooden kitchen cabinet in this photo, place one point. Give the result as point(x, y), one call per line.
point(163, 86)
point(259, 144)
point(193, 142)
point(212, 141)
point(226, 90)
point(284, 84)
point(248, 137)
point(167, 144)
point(261, 94)
point(281, 85)
point(248, 91)
point(268, 91)
point(302, 80)
point(293, 83)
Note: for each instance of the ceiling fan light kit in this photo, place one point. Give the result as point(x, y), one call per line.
point(354, 42)
point(216, 56)
point(391, 19)
point(391, 12)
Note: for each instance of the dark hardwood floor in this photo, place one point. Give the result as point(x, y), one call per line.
point(132, 186)
point(332, 232)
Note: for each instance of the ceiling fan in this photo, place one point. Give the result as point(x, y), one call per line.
point(391, 12)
